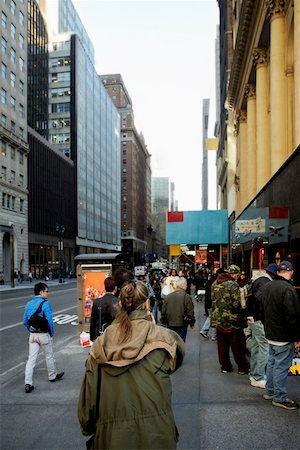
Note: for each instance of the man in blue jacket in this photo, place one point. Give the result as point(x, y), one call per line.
point(40, 336)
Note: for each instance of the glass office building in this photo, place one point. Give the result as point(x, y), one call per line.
point(84, 125)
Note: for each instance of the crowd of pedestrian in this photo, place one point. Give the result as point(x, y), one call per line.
point(139, 328)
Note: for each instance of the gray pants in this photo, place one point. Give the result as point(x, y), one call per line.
point(37, 340)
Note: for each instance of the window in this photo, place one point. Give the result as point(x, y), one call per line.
point(21, 130)
point(4, 20)
point(3, 200)
point(3, 148)
point(13, 103)
point(21, 180)
point(61, 76)
point(22, 111)
point(21, 64)
point(13, 126)
point(21, 41)
point(60, 123)
point(60, 92)
point(8, 197)
point(12, 79)
point(3, 120)
point(3, 96)
point(13, 202)
point(21, 158)
point(3, 172)
point(12, 31)
point(12, 56)
point(12, 152)
point(21, 87)
point(60, 62)
point(60, 107)
point(3, 70)
point(12, 176)
point(13, 7)
point(3, 45)
point(21, 18)
point(21, 205)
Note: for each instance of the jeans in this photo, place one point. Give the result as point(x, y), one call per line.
point(258, 346)
point(206, 326)
point(182, 331)
point(37, 340)
point(279, 362)
point(235, 340)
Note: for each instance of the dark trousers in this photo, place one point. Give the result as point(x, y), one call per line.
point(235, 340)
point(182, 331)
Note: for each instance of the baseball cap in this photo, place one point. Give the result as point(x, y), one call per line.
point(233, 269)
point(285, 265)
point(272, 268)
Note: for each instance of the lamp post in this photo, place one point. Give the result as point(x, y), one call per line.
point(60, 229)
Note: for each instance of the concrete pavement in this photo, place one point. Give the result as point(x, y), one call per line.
point(212, 410)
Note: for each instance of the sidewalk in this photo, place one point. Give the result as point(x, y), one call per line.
point(27, 285)
point(212, 410)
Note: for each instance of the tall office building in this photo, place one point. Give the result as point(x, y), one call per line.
point(84, 126)
point(13, 140)
point(160, 201)
point(205, 116)
point(135, 175)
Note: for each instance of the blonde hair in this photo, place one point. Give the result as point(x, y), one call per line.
point(132, 296)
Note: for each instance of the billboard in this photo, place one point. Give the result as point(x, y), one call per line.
point(197, 227)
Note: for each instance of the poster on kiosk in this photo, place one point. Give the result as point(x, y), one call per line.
point(90, 285)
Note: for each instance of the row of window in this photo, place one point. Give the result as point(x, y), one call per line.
point(12, 178)
point(6, 149)
point(60, 138)
point(13, 78)
point(13, 54)
point(9, 202)
point(58, 77)
point(13, 128)
point(13, 103)
point(13, 11)
point(59, 123)
point(60, 92)
point(60, 62)
point(59, 107)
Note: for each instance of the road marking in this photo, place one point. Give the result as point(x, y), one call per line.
point(7, 372)
point(21, 323)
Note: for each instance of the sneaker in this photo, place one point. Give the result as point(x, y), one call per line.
point(213, 338)
point(258, 383)
point(58, 377)
point(286, 404)
point(204, 334)
point(268, 397)
point(251, 378)
point(226, 371)
point(28, 388)
point(243, 372)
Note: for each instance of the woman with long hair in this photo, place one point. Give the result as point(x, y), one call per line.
point(125, 399)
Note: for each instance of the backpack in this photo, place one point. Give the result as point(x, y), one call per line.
point(40, 324)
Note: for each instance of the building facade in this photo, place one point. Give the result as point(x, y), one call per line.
point(84, 125)
point(136, 226)
point(13, 141)
point(160, 192)
point(262, 133)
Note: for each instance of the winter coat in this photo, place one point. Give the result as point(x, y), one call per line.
point(178, 309)
point(281, 311)
point(254, 301)
point(125, 398)
point(226, 303)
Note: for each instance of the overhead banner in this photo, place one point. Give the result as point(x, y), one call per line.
point(197, 227)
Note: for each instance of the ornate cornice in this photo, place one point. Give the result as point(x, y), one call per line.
point(260, 57)
point(250, 11)
point(275, 8)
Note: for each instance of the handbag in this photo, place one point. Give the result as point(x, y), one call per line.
point(40, 324)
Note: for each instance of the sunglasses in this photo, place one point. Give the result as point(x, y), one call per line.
point(46, 291)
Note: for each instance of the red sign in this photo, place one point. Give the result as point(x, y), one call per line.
point(175, 216)
point(278, 213)
point(201, 257)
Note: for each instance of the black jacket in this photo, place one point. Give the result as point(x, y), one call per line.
point(254, 301)
point(281, 311)
point(109, 307)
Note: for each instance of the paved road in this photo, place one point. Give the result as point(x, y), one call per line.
point(213, 410)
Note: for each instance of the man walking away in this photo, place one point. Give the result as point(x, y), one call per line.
point(226, 311)
point(178, 310)
point(104, 309)
point(41, 329)
point(281, 318)
point(256, 342)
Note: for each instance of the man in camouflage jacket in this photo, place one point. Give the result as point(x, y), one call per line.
point(226, 313)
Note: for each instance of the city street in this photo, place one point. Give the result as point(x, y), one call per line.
point(212, 410)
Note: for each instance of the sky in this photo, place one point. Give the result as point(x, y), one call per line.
point(165, 52)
